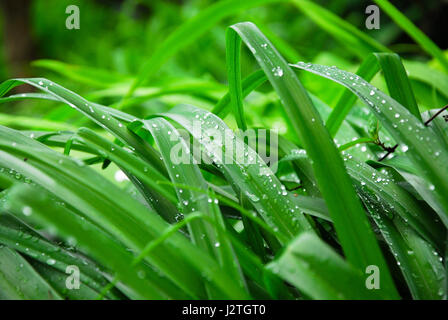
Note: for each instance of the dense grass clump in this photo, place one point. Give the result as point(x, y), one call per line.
point(343, 195)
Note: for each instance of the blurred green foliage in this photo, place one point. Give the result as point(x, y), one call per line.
point(119, 36)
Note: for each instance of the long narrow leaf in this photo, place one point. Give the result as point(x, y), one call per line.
point(345, 209)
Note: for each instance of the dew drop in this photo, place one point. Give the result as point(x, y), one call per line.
point(27, 211)
point(278, 72)
point(252, 196)
point(51, 262)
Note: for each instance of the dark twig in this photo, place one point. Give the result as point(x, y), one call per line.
point(388, 150)
point(295, 188)
point(436, 114)
point(376, 140)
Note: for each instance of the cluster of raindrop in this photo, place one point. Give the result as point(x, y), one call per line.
point(256, 169)
point(399, 121)
point(277, 71)
point(15, 175)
